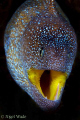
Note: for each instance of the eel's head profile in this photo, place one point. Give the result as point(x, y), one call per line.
point(48, 53)
point(40, 52)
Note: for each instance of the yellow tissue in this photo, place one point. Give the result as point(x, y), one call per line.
point(48, 82)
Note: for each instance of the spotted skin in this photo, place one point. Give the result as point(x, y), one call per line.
point(34, 26)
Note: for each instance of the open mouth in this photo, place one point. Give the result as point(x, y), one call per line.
point(48, 82)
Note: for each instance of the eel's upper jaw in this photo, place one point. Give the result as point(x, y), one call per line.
point(48, 82)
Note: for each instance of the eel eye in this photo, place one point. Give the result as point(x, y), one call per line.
point(42, 52)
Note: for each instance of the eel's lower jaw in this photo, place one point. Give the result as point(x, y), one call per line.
point(49, 83)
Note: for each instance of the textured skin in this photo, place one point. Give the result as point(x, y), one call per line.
point(35, 25)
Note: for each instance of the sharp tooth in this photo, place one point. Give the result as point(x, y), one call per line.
point(56, 97)
point(46, 97)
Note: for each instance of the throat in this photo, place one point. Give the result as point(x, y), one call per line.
point(45, 83)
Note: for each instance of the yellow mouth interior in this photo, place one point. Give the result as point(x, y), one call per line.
point(48, 82)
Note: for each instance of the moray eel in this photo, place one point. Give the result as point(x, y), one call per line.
point(40, 47)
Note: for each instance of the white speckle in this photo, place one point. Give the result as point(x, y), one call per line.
point(38, 23)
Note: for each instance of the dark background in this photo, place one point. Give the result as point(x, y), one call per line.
point(13, 100)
